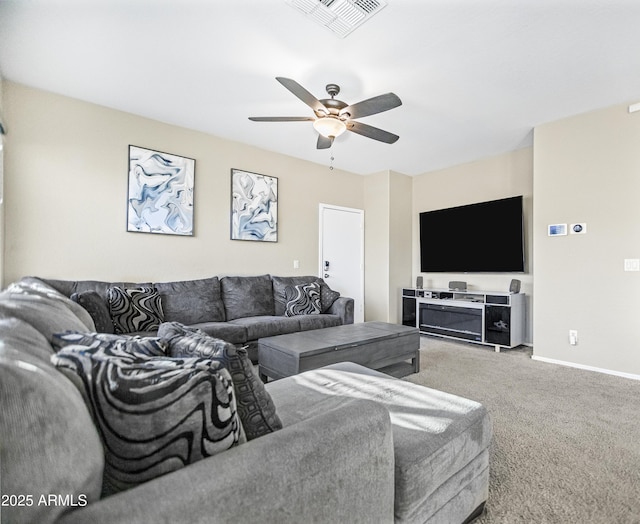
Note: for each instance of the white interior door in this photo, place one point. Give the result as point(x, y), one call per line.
point(342, 253)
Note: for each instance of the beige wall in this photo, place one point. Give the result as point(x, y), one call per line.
point(376, 246)
point(66, 188)
point(400, 240)
point(388, 233)
point(491, 178)
point(587, 169)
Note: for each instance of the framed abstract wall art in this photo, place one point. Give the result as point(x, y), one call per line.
point(160, 197)
point(254, 206)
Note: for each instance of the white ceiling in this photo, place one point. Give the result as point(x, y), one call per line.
point(475, 76)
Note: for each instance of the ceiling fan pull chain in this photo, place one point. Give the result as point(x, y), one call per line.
point(331, 164)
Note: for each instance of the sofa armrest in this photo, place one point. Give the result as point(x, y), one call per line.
point(335, 467)
point(343, 307)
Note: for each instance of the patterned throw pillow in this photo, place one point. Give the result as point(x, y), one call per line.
point(97, 308)
point(135, 309)
point(134, 345)
point(255, 406)
point(303, 299)
point(327, 296)
point(154, 415)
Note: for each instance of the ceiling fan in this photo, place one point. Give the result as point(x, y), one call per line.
point(333, 117)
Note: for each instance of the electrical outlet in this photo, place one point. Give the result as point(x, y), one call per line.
point(296, 264)
point(573, 337)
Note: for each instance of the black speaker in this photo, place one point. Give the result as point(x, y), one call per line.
point(514, 287)
point(457, 285)
point(419, 283)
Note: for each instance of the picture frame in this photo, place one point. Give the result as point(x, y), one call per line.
point(254, 206)
point(160, 192)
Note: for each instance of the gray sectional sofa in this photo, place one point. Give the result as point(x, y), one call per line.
point(353, 445)
point(239, 309)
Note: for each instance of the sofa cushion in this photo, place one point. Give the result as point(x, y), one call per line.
point(268, 326)
point(38, 287)
point(192, 301)
point(256, 409)
point(49, 444)
point(247, 296)
point(135, 309)
point(97, 307)
point(435, 434)
point(234, 333)
point(47, 315)
point(303, 299)
point(69, 287)
point(308, 322)
point(23, 337)
point(147, 346)
point(154, 415)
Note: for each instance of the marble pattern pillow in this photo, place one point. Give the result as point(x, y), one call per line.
point(135, 309)
point(129, 344)
point(255, 406)
point(154, 414)
point(303, 299)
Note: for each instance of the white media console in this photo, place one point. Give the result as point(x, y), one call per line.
point(486, 317)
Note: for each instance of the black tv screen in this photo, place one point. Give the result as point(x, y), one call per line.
point(483, 237)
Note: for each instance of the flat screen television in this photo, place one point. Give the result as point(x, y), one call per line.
point(487, 237)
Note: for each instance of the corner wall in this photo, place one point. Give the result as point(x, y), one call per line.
point(587, 169)
point(66, 197)
point(388, 234)
point(400, 240)
point(376, 247)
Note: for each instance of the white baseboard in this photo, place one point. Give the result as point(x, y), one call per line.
point(588, 368)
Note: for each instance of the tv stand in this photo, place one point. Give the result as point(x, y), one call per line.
point(492, 318)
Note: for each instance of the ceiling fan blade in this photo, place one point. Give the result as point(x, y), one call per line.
point(371, 106)
point(302, 94)
point(324, 142)
point(372, 132)
point(281, 118)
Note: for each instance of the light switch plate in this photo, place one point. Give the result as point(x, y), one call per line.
point(556, 230)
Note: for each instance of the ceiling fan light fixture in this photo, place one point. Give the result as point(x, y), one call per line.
point(329, 126)
point(333, 117)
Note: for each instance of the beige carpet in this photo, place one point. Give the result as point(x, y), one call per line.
point(566, 446)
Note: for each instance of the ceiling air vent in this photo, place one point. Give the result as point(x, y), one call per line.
point(339, 16)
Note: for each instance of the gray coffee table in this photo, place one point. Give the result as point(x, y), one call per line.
point(376, 345)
